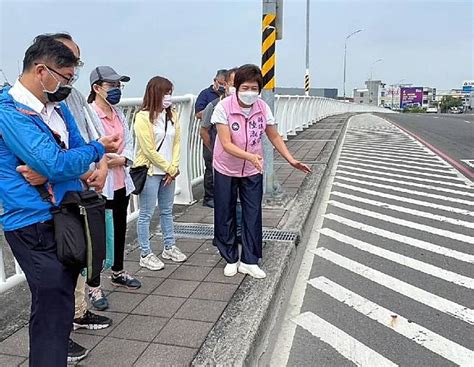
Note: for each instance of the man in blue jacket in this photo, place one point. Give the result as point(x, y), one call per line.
point(39, 132)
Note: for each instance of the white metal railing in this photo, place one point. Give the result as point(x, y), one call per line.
point(293, 114)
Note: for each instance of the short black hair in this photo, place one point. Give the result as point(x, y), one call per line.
point(220, 72)
point(48, 50)
point(248, 73)
point(229, 73)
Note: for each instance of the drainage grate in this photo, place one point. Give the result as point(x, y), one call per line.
point(202, 231)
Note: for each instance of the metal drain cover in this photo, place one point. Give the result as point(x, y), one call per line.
point(202, 231)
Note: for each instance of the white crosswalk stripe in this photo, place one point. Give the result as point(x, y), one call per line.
point(393, 202)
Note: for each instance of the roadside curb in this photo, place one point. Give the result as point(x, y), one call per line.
point(240, 335)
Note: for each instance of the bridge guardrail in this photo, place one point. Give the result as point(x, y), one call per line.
point(292, 113)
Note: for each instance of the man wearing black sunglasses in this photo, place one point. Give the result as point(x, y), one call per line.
point(32, 126)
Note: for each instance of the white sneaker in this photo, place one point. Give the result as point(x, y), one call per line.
point(151, 262)
point(174, 254)
point(252, 269)
point(230, 269)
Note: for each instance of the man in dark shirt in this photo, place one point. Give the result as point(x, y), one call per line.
point(215, 90)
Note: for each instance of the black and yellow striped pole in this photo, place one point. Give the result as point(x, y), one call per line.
point(306, 83)
point(268, 51)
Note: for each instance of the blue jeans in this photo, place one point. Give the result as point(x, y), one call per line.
point(155, 189)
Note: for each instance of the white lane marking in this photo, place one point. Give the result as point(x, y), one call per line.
point(455, 178)
point(420, 227)
point(407, 191)
point(380, 173)
point(393, 145)
point(417, 333)
point(406, 200)
point(381, 146)
point(409, 262)
point(469, 162)
point(378, 149)
point(469, 122)
point(419, 295)
point(448, 171)
point(392, 155)
point(414, 242)
point(343, 343)
point(383, 158)
point(402, 209)
point(429, 187)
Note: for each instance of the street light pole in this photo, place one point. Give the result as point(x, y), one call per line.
point(345, 58)
point(307, 77)
point(372, 67)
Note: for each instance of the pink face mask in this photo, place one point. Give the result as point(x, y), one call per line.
point(167, 100)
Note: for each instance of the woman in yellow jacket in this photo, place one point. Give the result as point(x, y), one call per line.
point(157, 132)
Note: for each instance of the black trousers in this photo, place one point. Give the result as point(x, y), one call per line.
point(119, 207)
point(208, 174)
point(52, 293)
point(250, 190)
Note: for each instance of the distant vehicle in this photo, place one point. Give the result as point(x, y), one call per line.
point(455, 110)
point(432, 110)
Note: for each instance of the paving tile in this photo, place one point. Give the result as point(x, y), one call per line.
point(185, 272)
point(164, 273)
point(161, 306)
point(16, 344)
point(201, 310)
point(208, 248)
point(149, 284)
point(117, 318)
point(6, 360)
point(217, 275)
point(124, 302)
point(176, 288)
point(204, 260)
point(159, 355)
point(137, 327)
point(114, 352)
point(188, 245)
point(184, 333)
point(215, 291)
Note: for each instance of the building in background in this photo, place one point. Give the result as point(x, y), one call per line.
point(315, 92)
point(374, 94)
point(468, 94)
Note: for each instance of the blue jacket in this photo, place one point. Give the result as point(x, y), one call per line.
point(25, 139)
point(204, 98)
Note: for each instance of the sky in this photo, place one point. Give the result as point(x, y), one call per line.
point(422, 42)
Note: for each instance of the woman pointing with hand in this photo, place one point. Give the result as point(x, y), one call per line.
point(241, 120)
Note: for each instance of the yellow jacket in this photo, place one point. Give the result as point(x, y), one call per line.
point(146, 154)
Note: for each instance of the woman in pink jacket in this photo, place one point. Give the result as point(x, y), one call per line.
point(241, 121)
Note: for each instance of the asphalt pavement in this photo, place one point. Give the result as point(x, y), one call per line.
point(387, 278)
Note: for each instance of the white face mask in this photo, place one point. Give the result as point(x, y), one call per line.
point(248, 98)
point(231, 91)
point(167, 100)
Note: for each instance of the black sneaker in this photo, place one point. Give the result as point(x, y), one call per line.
point(75, 352)
point(125, 280)
point(92, 321)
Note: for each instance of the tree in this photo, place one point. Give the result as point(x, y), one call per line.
point(449, 101)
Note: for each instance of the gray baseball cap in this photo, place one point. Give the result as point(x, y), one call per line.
point(107, 74)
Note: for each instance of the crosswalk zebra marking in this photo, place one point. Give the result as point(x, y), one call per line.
point(380, 158)
point(417, 294)
point(427, 159)
point(403, 222)
point(428, 339)
point(414, 242)
point(374, 174)
point(402, 209)
point(408, 191)
point(353, 350)
point(429, 269)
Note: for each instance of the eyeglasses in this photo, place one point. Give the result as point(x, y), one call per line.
point(113, 85)
point(69, 81)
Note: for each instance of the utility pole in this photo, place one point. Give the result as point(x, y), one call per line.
point(307, 76)
point(345, 59)
point(271, 8)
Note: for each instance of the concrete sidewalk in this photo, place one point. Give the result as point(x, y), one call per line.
point(191, 311)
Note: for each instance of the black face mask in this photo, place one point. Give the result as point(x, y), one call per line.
point(60, 94)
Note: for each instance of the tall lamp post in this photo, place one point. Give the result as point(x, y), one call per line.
point(372, 67)
point(345, 58)
point(307, 76)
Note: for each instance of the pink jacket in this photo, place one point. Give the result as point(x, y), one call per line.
point(246, 133)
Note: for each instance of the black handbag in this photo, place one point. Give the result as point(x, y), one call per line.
point(139, 173)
